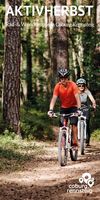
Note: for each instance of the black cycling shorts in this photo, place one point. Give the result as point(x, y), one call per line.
point(74, 119)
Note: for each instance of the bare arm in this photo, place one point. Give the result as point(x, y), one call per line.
point(53, 101)
point(78, 100)
point(92, 99)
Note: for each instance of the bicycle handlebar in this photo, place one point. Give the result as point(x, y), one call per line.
point(87, 107)
point(83, 108)
point(65, 115)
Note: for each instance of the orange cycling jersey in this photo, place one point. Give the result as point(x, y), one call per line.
point(66, 94)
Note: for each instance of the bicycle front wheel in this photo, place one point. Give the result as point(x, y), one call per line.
point(62, 150)
point(82, 138)
point(73, 151)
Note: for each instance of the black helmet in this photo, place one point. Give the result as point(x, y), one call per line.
point(63, 72)
point(81, 81)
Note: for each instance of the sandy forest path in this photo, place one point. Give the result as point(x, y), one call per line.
point(44, 179)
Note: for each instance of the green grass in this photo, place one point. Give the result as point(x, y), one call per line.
point(35, 124)
point(15, 152)
point(96, 135)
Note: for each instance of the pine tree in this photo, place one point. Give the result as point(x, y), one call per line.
point(11, 87)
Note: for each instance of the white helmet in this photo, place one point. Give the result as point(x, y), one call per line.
point(81, 81)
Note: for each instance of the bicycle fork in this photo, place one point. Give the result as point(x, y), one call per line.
point(68, 138)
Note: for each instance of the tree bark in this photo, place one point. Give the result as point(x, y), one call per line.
point(97, 52)
point(29, 67)
point(11, 86)
point(98, 16)
point(59, 41)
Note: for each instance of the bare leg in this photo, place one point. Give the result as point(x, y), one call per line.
point(74, 130)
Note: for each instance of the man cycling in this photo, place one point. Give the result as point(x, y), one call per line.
point(85, 94)
point(68, 93)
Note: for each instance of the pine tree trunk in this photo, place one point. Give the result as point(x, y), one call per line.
point(29, 67)
point(11, 88)
point(98, 16)
point(97, 53)
point(59, 41)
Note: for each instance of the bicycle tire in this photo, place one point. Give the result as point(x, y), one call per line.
point(82, 138)
point(62, 150)
point(73, 151)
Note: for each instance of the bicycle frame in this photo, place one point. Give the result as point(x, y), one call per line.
point(65, 141)
point(66, 129)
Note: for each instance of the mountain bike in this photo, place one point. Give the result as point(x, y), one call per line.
point(65, 140)
point(82, 127)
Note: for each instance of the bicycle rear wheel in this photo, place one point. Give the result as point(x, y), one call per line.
point(73, 151)
point(62, 150)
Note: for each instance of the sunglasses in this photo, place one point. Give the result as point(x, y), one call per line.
point(81, 85)
point(63, 77)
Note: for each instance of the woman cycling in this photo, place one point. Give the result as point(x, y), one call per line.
point(85, 94)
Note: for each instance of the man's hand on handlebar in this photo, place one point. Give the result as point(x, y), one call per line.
point(50, 113)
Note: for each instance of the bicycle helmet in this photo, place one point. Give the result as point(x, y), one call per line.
point(63, 72)
point(81, 81)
